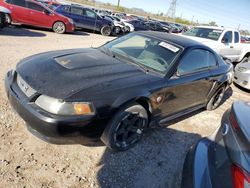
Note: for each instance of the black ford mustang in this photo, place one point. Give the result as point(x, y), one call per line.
point(116, 91)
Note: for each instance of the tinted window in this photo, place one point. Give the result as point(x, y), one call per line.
point(18, 2)
point(76, 10)
point(144, 51)
point(34, 6)
point(236, 37)
point(195, 61)
point(228, 37)
point(212, 62)
point(89, 13)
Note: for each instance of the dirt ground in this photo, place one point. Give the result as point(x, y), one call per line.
point(26, 161)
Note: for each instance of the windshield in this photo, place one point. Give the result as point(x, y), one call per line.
point(208, 33)
point(144, 51)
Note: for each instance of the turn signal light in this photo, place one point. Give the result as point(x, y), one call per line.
point(233, 121)
point(82, 109)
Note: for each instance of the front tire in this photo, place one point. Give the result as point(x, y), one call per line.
point(2, 20)
point(127, 29)
point(59, 27)
point(106, 30)
point(8, 19)
point(126, 128)
point(216, 99)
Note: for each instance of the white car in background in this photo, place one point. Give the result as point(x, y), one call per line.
point(226, 42)
point(242, 74)
point(121, 25)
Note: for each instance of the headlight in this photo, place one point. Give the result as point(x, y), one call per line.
point(60, 107)
point(71, 21)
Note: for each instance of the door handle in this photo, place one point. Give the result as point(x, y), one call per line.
point(231, 47)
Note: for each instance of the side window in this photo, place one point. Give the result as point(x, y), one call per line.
point(76, 10)
point(89, 13)
point(20, 3)
point(228, 37)
point(66, 8)
point(195, 61)
point(9, 1)
point(236, 37)
point(212, 61)
point(35, 6)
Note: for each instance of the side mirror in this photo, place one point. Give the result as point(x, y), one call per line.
point(46, 12)
point(224, 41)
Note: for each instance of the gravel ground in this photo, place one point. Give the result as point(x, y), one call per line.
point(26, 161)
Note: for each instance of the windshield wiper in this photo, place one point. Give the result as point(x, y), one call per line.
point(144, 68)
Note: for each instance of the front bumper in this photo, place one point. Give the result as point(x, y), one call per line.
point(70, 28)
point(49, 127)
point(242, 79)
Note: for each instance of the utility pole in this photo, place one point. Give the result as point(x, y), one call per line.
point(118, 4)
point(172, 9)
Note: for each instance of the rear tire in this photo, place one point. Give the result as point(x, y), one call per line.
point(126, 128)
point(106, 30)
point(59, 27)
point(216, 99)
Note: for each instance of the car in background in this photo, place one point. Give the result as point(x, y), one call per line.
point(224, 41)
point(118, 90)
point(128, 27)
point(244, 39)
point(119, 27)
point(85, 18)
point(156, 26)
point(29, 12)
point(242, 74)
point(139, 25)
point(3, 13)
point(223, 159)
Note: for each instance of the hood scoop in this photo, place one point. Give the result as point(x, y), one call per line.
point(75, 60)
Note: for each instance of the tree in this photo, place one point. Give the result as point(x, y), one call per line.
point(212, 23)
point(118, 4)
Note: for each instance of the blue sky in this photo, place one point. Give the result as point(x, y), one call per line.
point(229, 13)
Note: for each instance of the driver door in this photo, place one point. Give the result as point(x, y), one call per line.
point(190, 86)
point(37, 15)
point(227, 48)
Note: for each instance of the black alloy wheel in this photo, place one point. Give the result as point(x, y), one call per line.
point(126, 128)
point(216, 99)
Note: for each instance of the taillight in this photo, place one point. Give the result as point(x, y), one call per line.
point(233, 121)
point(241, 179)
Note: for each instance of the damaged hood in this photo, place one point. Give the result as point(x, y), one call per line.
point(61, 74)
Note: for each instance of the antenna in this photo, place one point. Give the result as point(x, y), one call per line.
point(172, 9)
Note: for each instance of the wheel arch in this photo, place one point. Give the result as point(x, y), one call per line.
point(246, 55)
point(140, 99)
point(59, 21)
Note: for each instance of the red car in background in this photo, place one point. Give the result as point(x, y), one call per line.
point(30, 12)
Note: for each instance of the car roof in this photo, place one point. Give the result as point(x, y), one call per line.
point(176, 39)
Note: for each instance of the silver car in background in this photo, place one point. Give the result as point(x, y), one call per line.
point(242, 74)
